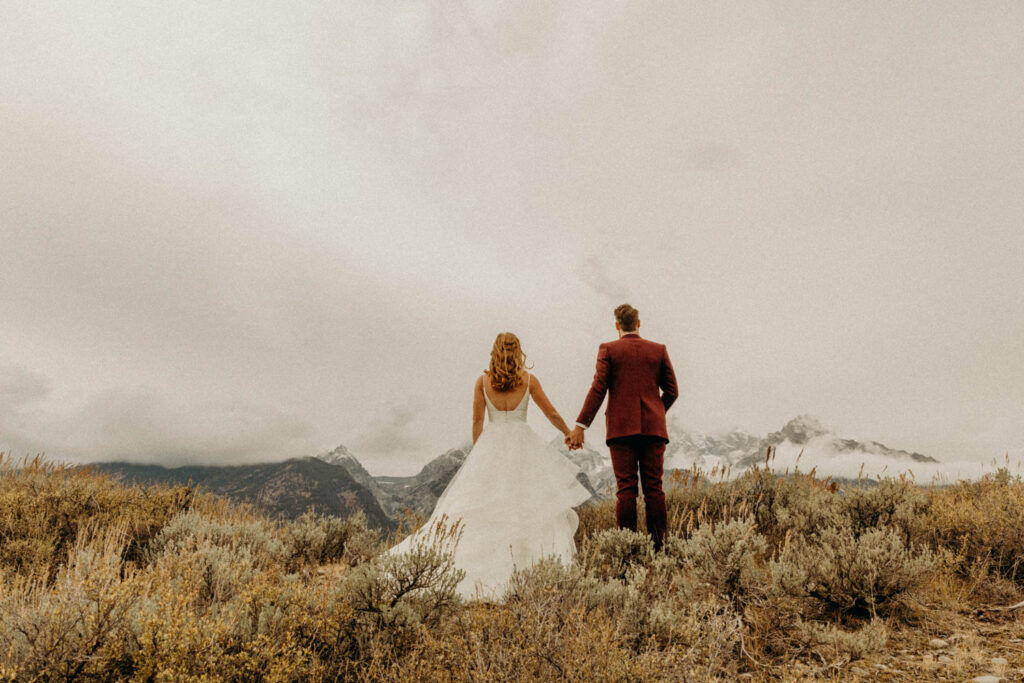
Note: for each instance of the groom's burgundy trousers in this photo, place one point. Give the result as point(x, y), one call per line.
point(645, 455)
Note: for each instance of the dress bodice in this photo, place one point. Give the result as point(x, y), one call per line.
point(517, 414)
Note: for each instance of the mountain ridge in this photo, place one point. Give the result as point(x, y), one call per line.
point(285, 489)
point(336, 482)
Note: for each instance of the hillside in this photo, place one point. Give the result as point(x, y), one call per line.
point(333, 483)
point(344, 458)
point(285, 489)
point(421, 491)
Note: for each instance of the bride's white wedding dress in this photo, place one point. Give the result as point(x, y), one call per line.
point(515, 496)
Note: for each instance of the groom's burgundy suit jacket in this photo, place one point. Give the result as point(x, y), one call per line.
point(632, 370)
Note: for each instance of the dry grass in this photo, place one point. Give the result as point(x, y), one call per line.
point(762, 578)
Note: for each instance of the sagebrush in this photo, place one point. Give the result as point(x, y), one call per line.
point(104, 581)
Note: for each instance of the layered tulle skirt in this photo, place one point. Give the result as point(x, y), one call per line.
point(514, 497)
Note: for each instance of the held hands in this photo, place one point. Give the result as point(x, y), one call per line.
point(574, 439)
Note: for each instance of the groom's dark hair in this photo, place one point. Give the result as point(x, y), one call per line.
point(627, 317)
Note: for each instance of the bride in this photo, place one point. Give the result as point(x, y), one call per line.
point(514, 494)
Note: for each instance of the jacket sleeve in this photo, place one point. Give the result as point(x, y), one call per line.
point(595, 397)
point(667, 381)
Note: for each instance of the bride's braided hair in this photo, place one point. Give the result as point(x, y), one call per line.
point(507, 362)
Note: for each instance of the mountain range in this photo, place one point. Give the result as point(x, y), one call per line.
point(280, 489)
point(739, 450)
point(337, 483)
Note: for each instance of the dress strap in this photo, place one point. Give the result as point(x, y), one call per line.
point(483, 388)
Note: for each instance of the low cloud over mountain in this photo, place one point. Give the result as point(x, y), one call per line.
point(805, 443)
point(141, 426)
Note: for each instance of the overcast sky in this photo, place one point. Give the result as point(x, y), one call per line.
point(243, 231)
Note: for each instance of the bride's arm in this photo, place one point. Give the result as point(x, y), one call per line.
point(478, 408)
point(541, 399)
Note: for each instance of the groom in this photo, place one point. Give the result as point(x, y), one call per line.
point(631, 370)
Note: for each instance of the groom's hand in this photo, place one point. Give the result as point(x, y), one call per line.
point(574, 439)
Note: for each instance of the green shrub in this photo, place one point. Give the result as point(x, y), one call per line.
point(833, 642)
point(394, 594)
point(896, 503)
point(76, 626)
point(611, 553)
point(801, 505)
point(314, 539)
point(708, 633)
point(548, 577)
point(848, 571)
point(256, 539)
point(547, 628)
point(728, 556)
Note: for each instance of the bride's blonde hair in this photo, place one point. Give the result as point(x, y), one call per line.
point(507, 362)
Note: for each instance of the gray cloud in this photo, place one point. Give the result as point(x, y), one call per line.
point(143, 427)
point(713, 156)
point(393, 432)
point(594, 272)
point(820, 456)
point(20, 386)
point(213, 220)
point(146, 427)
